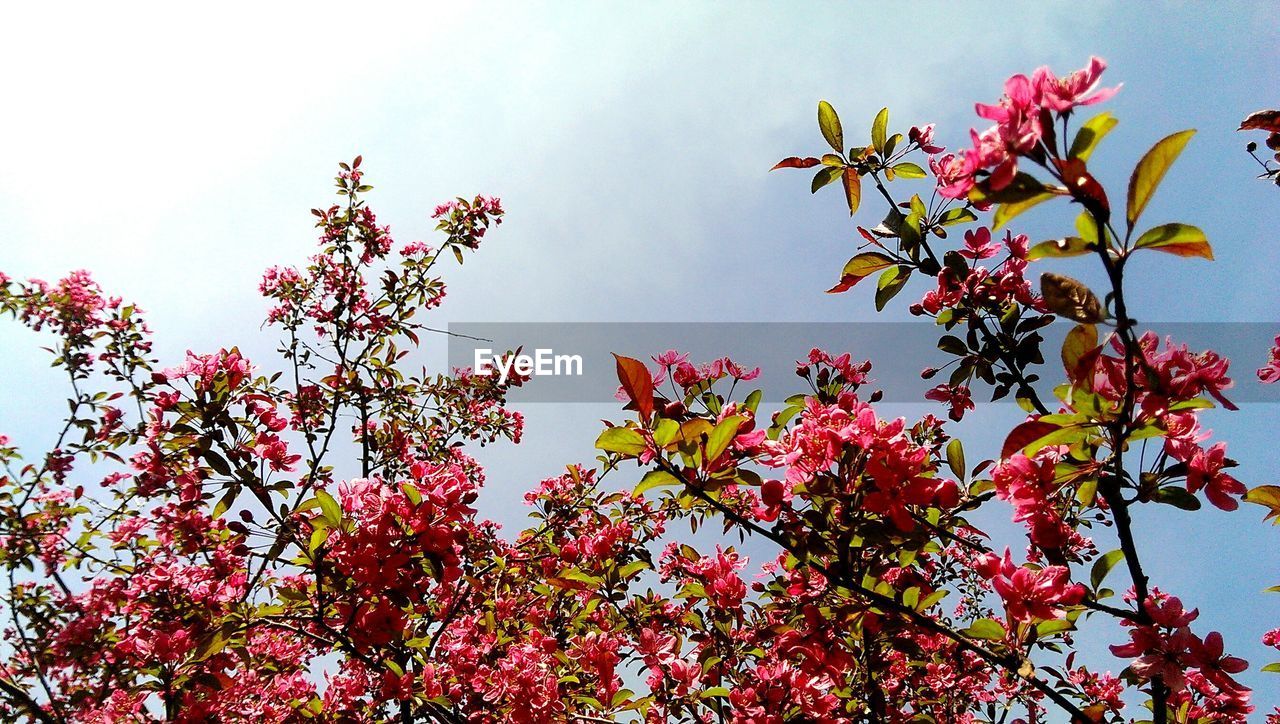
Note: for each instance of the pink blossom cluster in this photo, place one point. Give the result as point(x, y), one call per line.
point(1020, 117)
point(1197, 672)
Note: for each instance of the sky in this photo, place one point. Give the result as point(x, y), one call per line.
point(175, 154)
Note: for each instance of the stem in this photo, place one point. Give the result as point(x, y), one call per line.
point(1111, 486)
point(19, 696)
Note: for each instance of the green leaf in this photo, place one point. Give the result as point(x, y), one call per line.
point(829, 123)
point(986, 629)
point(632, 568)
point(656, 479)
point(1272, 668)
point(318, 537)
point(880, 129)
point(411, 492)
point(1058, 248)
point(1023, 187)
point(1005, 212)
point(217, 462)
point(1102, 566)
point(329, 508)
point(1177, 497)
point(228, 499)
point(665, 431)
point(955, 457)
point(1151, 170)
point(860, 267)
point(621, 440)
point(720, 437)
point(825, 176)
point(1048, 628)
point(1090, 134)
point(891, 281)
point(906, 169)
point(1179, 239)
point(714, 691)
point(957, 216)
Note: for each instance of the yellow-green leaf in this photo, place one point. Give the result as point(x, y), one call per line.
point(329, 507)
point(880, 129)
point(1151, 170)
point(1102, 566)
point(1082, 338)
point(1090, 134)
point(1179, 239)
point(720, 437)
point(622, 440)
point(1005, 212)
point(986, 628)
point(829, 123)
point(1267, 496)
point(906, 169)
point(1056, 248)
point(656, 479)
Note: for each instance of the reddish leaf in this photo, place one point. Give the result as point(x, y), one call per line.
point(1025, 434)
point(638, 383)
point(1080, 341)
point(860, 267)
point(796, 162)
point(852, 189)
point(1081, 183)
point(846, 283)
point(1261, 121)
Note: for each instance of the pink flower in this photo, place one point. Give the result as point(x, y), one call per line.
point(1063, 94)
point(956, 396)
point(978, 244)
point(1035, 595)
point(923, 137)
point(1204, 470)
point(1016, 115)
point(1270, 372)
point(954, 173)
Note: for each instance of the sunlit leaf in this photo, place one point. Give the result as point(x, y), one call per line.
point(986, 629)
point(880, 129)
point(1102, 566)
point(1090, 134)
point(906, 169)
point(852, 189)
point(656, 479)
point(621, 440)
point(723, 434)
point(829, 123)
point(1058, 248)
point(1179, 239)
point(1151, 170)
point(1005, 212)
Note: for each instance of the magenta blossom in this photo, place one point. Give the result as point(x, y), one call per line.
point(1063, 94)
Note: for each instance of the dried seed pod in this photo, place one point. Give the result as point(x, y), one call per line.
point(1069, 298)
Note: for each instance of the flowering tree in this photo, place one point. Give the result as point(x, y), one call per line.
point(216, 542)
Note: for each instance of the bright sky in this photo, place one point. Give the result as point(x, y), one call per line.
point(175, 154)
